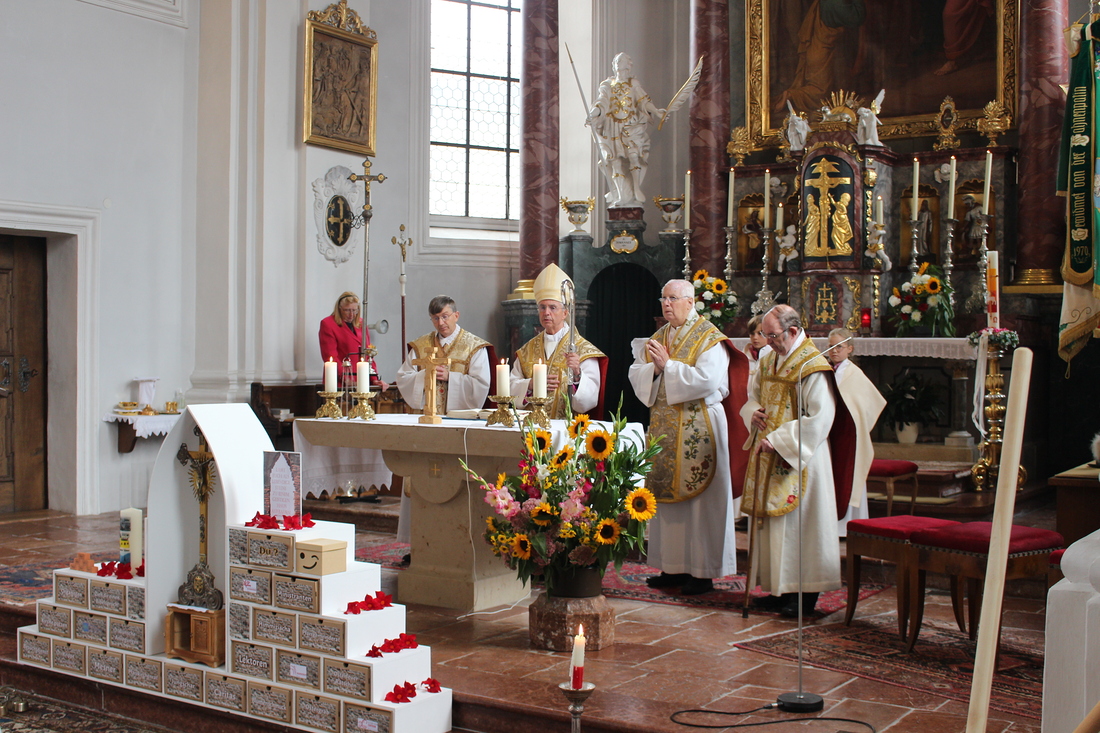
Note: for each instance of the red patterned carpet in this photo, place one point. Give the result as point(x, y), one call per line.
point(728, 593)
point(942, 662)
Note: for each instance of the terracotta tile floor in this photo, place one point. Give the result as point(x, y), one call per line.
point(665, 658)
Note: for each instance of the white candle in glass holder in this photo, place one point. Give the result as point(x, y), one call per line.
point(687, 200)
point(988, 179)
point(767, 198)
point(916, 190)
point(729, 200)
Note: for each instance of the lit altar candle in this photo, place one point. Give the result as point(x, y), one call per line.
point(729, 200)
point(951, 191)
point(988, 178)
point(576, 664)
point(767, 198)
point(916, 190)
point(878, 211)
point(504, 385)
point(362, 375)
point(992, 289)
point(330, 375)
point(130, 542)
point(538, 388)
point(779, 217)
point(687, 200)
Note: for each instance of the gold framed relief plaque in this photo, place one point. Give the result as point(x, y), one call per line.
point(801, 52)
point(341, 81)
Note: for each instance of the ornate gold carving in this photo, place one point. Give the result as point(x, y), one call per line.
point(740, 144)
point(946, 122)
point(855, 287)
point(995, 122)
point(828, 227)
point(877, 281)
point(805, 298)
point(825, 303)
point(339, 15)
point(849, 149)
point(870, 177)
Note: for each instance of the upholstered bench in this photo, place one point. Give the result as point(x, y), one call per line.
point(886, 538)
point(891, 471)
point(962, 551)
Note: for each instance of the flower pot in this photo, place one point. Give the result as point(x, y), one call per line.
point(576, 582)
point(907, 433)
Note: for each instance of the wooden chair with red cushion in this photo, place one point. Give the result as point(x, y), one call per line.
point(891, 471)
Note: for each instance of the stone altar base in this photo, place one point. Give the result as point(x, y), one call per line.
point(553, 621)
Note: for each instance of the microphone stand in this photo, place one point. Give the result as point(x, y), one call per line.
point(802, 702)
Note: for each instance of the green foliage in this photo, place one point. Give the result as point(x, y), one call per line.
point(911, 398)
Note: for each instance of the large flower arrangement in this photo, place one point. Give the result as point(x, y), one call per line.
point(579, 506)
point(1004, 339)
point(924, 300)
point(714, 300)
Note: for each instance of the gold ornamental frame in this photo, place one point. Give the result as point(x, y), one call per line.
point(759, 102)
point(341, 81)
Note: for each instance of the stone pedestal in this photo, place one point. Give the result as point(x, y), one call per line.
point(552, 622)
point(625, 221)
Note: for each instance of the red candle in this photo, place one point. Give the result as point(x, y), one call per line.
point(577, 662)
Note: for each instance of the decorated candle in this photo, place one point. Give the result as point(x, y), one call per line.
point(988, 178)
point(330, 375)
point(779, 217)
point(916, 190)
point(576, 664)
point(538, 383)
point(951, 191)
point(687, 200)
point(130, 537)
point(729, 200)
point(362, 375)
point(992, 290)
point(878, 211)
point(504, 388)
point(767, 198)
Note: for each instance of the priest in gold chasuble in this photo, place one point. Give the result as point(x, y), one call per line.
point(684, 374)
point(576, 376)
point(773, 496)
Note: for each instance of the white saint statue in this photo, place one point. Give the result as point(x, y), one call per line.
point(867, 126)
point(798, 129)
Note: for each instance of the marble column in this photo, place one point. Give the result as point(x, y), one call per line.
point(709, 130)
point(1044, 64)
point(539, 150)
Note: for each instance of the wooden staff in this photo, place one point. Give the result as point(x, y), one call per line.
point(985, 658)
point(754, 534)
point(1091, 723)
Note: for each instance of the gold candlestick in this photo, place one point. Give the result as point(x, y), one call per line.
point(330, 408)
point(362, 409)
point(538, 414)
point(503, 413)
point(985, 471)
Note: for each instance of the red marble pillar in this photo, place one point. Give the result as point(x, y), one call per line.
point(709, 130)
point(538, 218)
point(1044, 64)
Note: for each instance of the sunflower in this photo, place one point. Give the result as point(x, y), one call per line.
point(607, 532)
point(562, 458)
point(567, 531)
point(539, 442)
point(599, 444)
point(923, 267)
point(719, 286)
point(918, 289)
point(521, 547)
point(701, 275)
point(641, 504)
point(933, 286)
point(579, 426)
point(543, 514)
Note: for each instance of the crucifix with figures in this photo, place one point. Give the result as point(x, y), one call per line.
point(428, 364)
point(367, 178)
point(199, 589)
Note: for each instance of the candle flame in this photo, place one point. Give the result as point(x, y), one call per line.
point(580, 629)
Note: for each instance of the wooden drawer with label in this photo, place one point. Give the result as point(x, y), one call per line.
point(55, 620)
point(127, 635)
point(347, 678)
point(297, 594)
point(35, 648)
point(107, 597)
point(322, 713)
point(252, 660)
point(226, 692)
point(328, 636)
point(293, 668)
point(89, 626)
point(275, 627)
point(103, 664)
point(186, 683)
point(146, 674)
point(70, 657)
point(272, 703)
point(271, 551)
point(251, 586)
point(70, 590)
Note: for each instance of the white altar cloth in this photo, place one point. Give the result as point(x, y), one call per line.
point(145, 425)
point(326, 468)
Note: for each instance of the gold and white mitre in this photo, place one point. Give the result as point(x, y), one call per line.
point(548, 283)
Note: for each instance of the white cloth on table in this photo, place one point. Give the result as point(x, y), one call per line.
point(695, 536)
point(145, 425)
point(776, 554)
point(325, 468)
point(587, 393)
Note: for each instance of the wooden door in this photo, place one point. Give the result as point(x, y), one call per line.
point(22, 373)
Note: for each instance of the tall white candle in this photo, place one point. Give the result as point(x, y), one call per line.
point(362, 375)
point(538, 388)
point(992, 289)
point(916, 190)
point(330, 375)
point(687, 200)
point(988, 178)
point(951, 191)
point(767, 197)
point(576, 663)
point(878, 210)
point(729, 199)
point(130, 537)
point(779, 217)
point(504, 385)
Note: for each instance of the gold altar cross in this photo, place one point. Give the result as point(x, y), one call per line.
point(428, 364)
point(821, 214)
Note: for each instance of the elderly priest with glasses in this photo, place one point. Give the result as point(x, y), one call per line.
point(693, 381)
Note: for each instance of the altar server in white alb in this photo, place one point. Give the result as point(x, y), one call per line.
point(773, 497)
point(865, 403)
point(693, 380)
point(463, 385)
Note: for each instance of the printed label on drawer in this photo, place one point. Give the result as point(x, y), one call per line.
point(183, 682)
point(128, 635)
point(55, 620)
point(278, 628)
point(253, 586)
point(105, 665)
point(33, 648)
point(318, 712)
point(299, 669)
point(90, 627)
point(109, 597)
point(322, 635)
point(344, 678)
point(69, 657)
point(225, 692)
point(269, 702)
point(299, 595)
point(357, 717)
point(70, 591)
point(143, 673)
point(271, 551)
point(254, 661)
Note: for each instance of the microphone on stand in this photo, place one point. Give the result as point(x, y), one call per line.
point(803, 702)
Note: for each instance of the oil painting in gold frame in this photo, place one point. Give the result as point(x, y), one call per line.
point(341, 87)
point(919, 51)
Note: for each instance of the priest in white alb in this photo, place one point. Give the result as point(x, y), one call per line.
point(685, 374)
point(865, 403)
point(776, 503)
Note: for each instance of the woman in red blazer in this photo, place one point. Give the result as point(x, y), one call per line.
point(340, 336)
